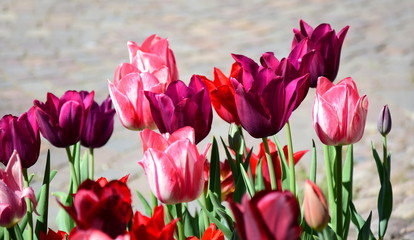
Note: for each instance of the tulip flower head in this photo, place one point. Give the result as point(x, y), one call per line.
point(20, 134)
point(327, 46)
point(315, 207)
point(173, 166)
point(61, 120)
point(12, 203)
point(384, 122)
point(211, 233)
point(339, 113)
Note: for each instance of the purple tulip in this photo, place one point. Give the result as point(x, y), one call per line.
point(99, 123)
point(20, 134)
point(267, 95)
point(182, 106)
point(384, 122)
point(327, 45)
point(61, 120)
point(268, 215)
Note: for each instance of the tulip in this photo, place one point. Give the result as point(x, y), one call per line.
point(384, 122)
point(327, 46)
point(264, 98)
point(93, 234)
point(12, 203)
point(153, 228)
point(182, 106)
point(222, 94)
point(211, 233)
point(20, 134)
point(173, 165)
point(102, 205)
point(52, 235)
point(269, 215)
point(61, 121)
point(339, 113)
point(315, 207)
point(99, 124)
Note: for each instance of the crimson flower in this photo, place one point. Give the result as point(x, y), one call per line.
point(211, 233)
point(269, 215)
point(327, 46)
point(52, 235)
point(20, 134)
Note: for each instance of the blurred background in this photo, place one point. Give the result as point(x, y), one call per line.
point(54, 46)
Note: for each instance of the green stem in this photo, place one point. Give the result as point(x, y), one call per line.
point(29, 210)
point(72, 170)
point(292, 175)
point(180, 223)
point(154, 201)
point(205, 217)
point(91, 164)
point(385, 156)
point(270, 164)
point(338, 187)
point(328, 169)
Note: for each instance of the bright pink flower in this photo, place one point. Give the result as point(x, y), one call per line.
point(154, 228)
point(173, 165)
point(315, 207)
point(339, 113)
point(12, 194)
point(94, 234)
point(269, 215)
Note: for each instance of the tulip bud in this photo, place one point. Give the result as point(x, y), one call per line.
point(384, 122)
point(315, 207)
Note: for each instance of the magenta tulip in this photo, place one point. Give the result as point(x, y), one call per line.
point(173, 165)
point(182, 106)
point(267, 95)
point(12, 203)
point(315, 207)
point(339, 113)
point(61, 120)
point(327, 46)
point(269, 215)
point(99, 124)
point(21, 134)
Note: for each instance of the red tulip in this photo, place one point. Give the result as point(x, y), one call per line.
point(102, 205)
point(269, 215)
point(315, 207)
point(339, 113)
point(154, 228)
point(222, 94)
point(20, 134)
point(173, 166)
point(211, 233)
point(12, 194)
point(52, 235)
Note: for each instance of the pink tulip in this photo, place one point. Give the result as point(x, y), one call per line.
point(339, 113)
point(173, 165)
point(12, 193)
point(315, 207)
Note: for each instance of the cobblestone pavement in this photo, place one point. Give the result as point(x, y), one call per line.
point(53, 46)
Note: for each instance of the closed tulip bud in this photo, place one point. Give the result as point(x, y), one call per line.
point(315, 207)
point(384, 122)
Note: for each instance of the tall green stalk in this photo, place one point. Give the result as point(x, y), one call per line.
point(292, 174)
point(338, 188)
point(91, 164)
point(270, 164)
point(329, 178)
point(180, 223)
point(29, 210)
point(72, 170)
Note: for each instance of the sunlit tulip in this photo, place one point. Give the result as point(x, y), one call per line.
point(61, 120)
point(339, 113)
point(182, 106)
point(315, 207)
point(327, 46)
point(21, 134)
point(99, 124)
point(12, 194)
point(269, 215)
point(173, 165)
point(384, 122)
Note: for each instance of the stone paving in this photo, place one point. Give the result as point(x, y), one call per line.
point(53, 46)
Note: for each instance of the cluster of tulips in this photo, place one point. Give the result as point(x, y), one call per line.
point(246, 194)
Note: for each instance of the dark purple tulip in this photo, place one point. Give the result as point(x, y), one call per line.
point(269, 215)
point(182, 106)
point(22, 134)
point(61, 120)
point(327, 45)
point(267, 95)
point(384, 122)
point(99, 123)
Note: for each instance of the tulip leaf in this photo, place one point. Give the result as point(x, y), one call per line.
point(380, 167)
point(214, 183)
point(191, 227)
point(226, 231)
point(365, 232)
point(283, 164)
point(84, 167)
point(313, 166)
point(385, 199)
point(247, 181)
point(147, 206)
point(329, 234)
point(43, 202)
point(259, 183)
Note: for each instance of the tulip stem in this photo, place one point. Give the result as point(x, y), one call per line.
point(328, 169)
point(270, 164)
point(386, 164)
point(180, 223)
point(74, 178)
point(338, 187)
point(29, 210)
point(292, 175)
point(91, 164)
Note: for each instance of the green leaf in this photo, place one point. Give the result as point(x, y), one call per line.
point(380, 167)
point(313, 167)
point(284, 166)
point(259, 183)
point(226, 231)
point(365, 233)
point(43, 202)
point(214, 180)
point(329, 233)
point(84, 167)
point(385, 199)
point(147, 206)
point(359, 222)
point(191, 227)
point(247, 181)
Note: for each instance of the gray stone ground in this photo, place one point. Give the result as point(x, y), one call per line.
point(53, 46)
